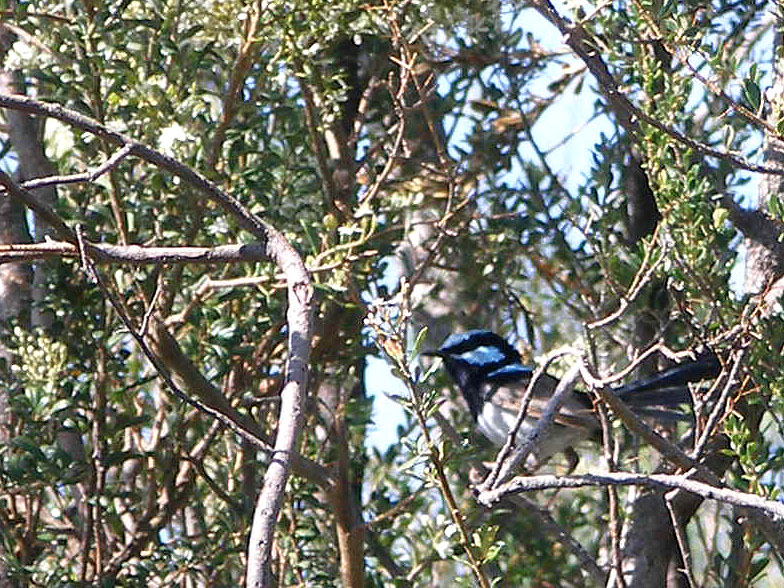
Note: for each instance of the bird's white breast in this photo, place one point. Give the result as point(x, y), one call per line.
point(495, 423)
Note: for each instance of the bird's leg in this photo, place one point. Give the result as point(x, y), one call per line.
point(572, 459)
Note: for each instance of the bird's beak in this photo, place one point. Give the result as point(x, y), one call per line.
point(433, 353)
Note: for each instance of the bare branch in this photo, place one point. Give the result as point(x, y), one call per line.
point(668, 449)
point(102, 253)
point(247, 54)
point(720, 408)
point(758, 227)
point(546, 520)
point(299, 319)
point(680, 536)
point(43, 210)
point(247, 220)
point(521, 484)
point(89, 176)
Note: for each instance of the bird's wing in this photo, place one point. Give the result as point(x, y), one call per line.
point(577, 410)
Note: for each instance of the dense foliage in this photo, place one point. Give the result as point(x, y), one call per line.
point(464, 147)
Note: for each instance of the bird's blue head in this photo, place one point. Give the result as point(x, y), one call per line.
point(473, 357)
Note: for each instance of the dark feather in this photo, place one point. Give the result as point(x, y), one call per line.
point(673, 379)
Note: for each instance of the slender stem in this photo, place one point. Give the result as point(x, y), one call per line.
point(446, 491)
point(680, 537)
point(608, 449)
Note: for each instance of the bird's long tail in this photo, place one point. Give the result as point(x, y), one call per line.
point(669, 387)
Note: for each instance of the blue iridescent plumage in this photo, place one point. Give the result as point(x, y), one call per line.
point(482, 355)
point(510, 373)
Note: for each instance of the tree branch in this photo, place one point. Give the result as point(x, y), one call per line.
point(136, 254)
point(300, 294)
point(578, 40)
point(521, 484)
point(758, 227)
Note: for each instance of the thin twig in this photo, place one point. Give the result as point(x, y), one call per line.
point(38, 206)
point(394, 511)
point(151, 308)
point(245, 218)
point(507, 460)
point(92, 271)
point(641, 279)
point(521, 484)
point(247, 53)
point(313, 123)
point(546, 520)
point(446, 491)
point(668, 449)
point(719, 408)
point(88, 176)
point(608, 450)
point(680, 537)
point(679, 53)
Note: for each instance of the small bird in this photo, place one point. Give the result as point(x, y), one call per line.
point(492, 380)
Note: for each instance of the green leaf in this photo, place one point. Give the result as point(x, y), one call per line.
point(412, 463)
point(757, 567)
point(729, 136)
point(752, 94)
point(667, 9)
point(775, 206)
point(60, 405)
point(719, 216)
point(418, 341)
point(431, 370)
point(27, 444)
